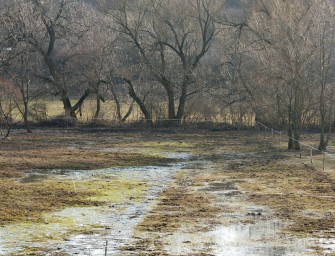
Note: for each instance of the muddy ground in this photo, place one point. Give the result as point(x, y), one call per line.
point(234, 193)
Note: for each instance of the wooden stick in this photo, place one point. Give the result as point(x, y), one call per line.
point(106, 246)
point(324, 157)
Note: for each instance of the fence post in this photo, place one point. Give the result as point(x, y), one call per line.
point(106, 246)
point(311, 155)
point(324, 158)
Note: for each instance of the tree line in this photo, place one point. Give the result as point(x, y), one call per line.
point(175, 60)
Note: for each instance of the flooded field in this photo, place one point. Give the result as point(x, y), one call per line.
point(213, 193)
point(85, 230)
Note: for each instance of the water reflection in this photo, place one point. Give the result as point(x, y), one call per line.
point(96, 225)
point(34, 177)
point(260, 239)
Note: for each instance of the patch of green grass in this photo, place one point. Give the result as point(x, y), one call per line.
point(56, 220)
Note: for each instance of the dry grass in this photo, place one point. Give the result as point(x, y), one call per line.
point(64, 150)
point(27, 202)
point(55, 108)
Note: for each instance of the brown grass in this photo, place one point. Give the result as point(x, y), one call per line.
point(53, 149)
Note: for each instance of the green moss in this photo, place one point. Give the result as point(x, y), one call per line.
point(114, 191)
point(80, 214)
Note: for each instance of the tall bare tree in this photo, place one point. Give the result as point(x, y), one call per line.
point(54, 29)
point(284, 29)
point(19, 61)
point(171, 39)
point(9, 94)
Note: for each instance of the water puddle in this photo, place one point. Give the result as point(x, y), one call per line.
point(122, 219)
point(90, 227)
point(327, 243)
point(246, 230)
point(260, 239)
point(34, 177)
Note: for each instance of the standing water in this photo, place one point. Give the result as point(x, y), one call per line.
point(112, 222)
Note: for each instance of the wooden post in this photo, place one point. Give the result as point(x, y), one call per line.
point(74, 186)
point(106, 246)
point(324, 158)
point(311, 155)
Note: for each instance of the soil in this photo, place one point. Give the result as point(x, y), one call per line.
point(232, 178)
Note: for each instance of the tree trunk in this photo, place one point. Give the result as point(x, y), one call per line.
point(81, 100)
point(294, 115)
point(297, 115)
point(182, 102)
point(296, 124)
point(296, 133)
point(117, 103)
point(322, 144)
point(97, 112)
point(8, 121)
point(171, 103)
point(69, 112)
point(290, 138)
point(25, 116)
point(322, 110)
point(130, 109)
point(328, 134)
point(290, 127)
point(140, 103)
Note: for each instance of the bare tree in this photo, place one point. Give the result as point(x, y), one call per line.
point(324, 69)
point(9, 94)
point(18, 60)
point(19, 73)
point(54, 29)
point(171, 40)
point(285, 30)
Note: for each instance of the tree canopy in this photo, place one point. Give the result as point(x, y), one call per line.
point(240, 62)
